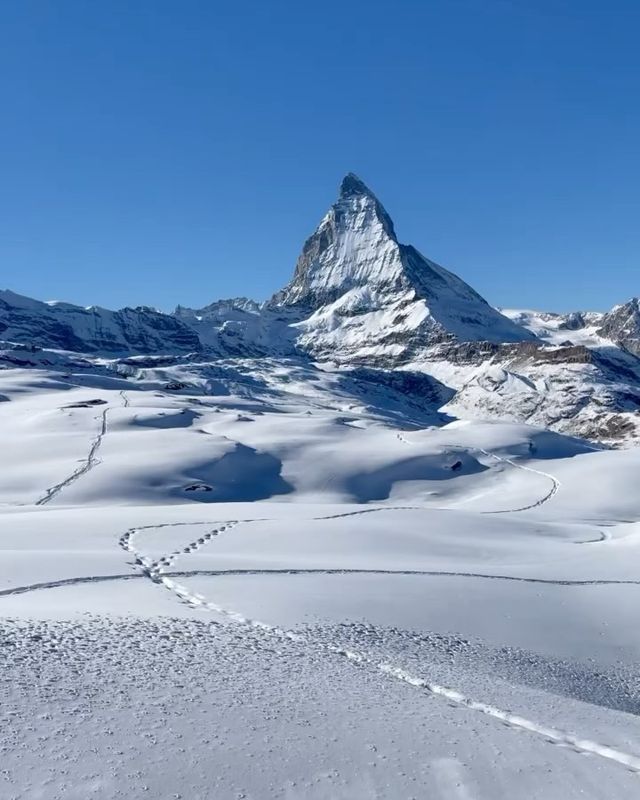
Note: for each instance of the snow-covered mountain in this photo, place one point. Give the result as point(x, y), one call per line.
point(360, 294)
point(576, 327)
point(622, 324)
point(360, 299)
point(619, 327)
point(357, 296)
point(240, 327)
point(593, 392)
point(92, 330)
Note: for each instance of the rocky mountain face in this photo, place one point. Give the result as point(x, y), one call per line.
point(234, 327)
point(619, 327)
point(63, 326)
point(358, 294)
point(359, 299)
point(576, 326)
point(622, 325)
point(592, 392)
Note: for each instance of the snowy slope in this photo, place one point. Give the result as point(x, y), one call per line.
point(588, 392)
point(585, 380)
point(618, 327)
point(579, 327)
point(273, 579)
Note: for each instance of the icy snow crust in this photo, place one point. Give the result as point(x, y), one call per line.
point(270, 579)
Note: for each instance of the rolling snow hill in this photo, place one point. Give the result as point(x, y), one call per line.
point(269, 578)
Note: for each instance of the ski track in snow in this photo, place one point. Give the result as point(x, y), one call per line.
point(146, 573)
point(36, 587)
point(371, 511)
point(153, 570)
point(90, 462)
point(555, 483)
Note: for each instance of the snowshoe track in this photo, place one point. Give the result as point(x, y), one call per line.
point(152, 568)
point(156, 571)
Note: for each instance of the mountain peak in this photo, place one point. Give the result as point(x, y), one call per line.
point(352, 185)
point(353, 266)
point(354, 245)
point(622, 325)
point(355, 197)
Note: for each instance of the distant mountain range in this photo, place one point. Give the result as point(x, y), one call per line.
point(359, 298)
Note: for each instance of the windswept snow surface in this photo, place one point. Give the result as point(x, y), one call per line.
point(579, 328)
point(263, 579)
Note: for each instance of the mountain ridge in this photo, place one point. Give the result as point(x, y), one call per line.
point(353, 264)
point(358, 298)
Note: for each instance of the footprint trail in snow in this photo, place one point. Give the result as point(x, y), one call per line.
point(154, 569)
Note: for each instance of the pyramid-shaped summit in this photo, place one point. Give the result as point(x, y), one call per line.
point(354, 245)
point(355, 285)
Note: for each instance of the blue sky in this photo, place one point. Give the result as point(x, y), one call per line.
point(161, 152)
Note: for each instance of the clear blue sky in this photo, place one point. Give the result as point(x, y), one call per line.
point(176, 151)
